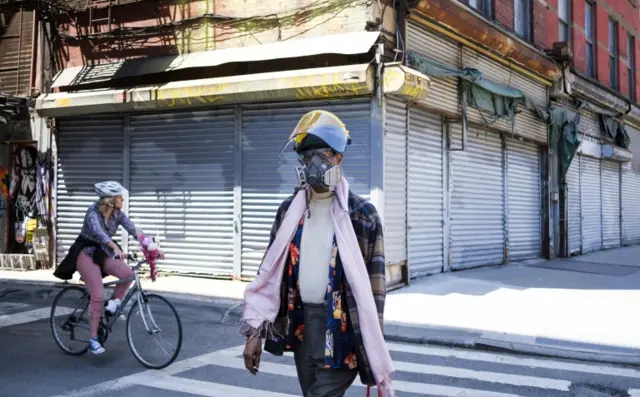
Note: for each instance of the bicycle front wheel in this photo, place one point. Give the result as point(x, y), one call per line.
point(152, 323)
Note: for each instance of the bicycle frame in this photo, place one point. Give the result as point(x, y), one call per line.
point(136, 288)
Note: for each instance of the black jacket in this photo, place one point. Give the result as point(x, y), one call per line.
point(67, 267)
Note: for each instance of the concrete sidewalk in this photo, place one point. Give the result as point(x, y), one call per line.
point(581, 308)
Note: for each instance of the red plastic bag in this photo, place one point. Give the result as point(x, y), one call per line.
point(369, 392)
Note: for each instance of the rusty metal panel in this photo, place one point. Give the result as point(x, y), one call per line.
point(501, 74)
point(443, 92)
point(16, 46)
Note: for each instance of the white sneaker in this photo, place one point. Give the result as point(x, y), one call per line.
point(113, 305)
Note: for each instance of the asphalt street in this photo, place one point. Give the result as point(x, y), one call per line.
point(210, 364)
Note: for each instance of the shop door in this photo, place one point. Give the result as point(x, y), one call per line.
point(268, 179)
point(477, 210)
point(90, 150)
point(611, 204)
point(590, 189)
point(182, 187)
point(524, 200)
point(425, 194)
point(574, 199)
point(395, 186)
point(630, 206)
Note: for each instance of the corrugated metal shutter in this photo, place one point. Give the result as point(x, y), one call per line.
point(425, 194)
point(524, 200)
point(443, 93)
point(395, 181)
point(589, 125)
point(611, 203)
point(630, 206)
point(182, 187)
point(267, 180)
point(477, 220)
point(501, 74)
point(89, 151)
point(591, 204)
point(574, 199)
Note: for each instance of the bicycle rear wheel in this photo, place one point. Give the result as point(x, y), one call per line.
point(158, 319)
point(69, 320)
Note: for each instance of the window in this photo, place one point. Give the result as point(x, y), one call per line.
point(631, 56)
point(564, 10)
point(613, 54)
point(522, 18)
point(589, 23)
point(482, 6)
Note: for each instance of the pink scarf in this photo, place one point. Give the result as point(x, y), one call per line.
point(262, 295)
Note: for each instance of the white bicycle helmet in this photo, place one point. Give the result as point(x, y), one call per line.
point(110, 189)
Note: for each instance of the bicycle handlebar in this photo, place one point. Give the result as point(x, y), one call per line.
point(134, 258)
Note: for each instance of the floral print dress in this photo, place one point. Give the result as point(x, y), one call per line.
point(339, 338)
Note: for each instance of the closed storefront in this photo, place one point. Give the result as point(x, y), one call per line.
point(610, 204)
point(591, 205)
point(477, 235)
point(492, 196)
point(181, 185)
point(524, 200)
point(574, 205)
point(268, 179)
point(90, 149)
point(630, 205)
point(425, 193)
point(631, 191)
point(395, 182)
point(208, 183)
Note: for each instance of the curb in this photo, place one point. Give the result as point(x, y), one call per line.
point(559, 352)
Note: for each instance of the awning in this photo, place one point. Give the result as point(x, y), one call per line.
point(345, 43)
point(304, 84)
point(404, 82)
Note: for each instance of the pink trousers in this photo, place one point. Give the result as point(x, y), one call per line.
point(92, 277)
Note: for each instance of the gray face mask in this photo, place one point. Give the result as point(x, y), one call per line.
point(318, 173)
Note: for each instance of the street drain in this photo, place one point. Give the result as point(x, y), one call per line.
point(591, 390)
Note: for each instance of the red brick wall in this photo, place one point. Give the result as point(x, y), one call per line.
point(504, 13)
point(545, 33)
point(578, 37)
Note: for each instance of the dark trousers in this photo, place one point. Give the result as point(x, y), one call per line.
point(315, 379)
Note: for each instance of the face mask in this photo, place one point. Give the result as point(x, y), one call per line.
point(318, 173)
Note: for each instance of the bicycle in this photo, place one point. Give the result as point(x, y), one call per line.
point(77, 322)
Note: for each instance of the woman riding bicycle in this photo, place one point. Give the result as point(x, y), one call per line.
point(95, 254)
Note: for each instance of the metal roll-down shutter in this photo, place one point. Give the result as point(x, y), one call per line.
point(591, 204)
point(90, 150)
point(268, 179)
point(181, 186)
point(477, 210)
point(610, 203)
point(524, 200)
point(425, 194)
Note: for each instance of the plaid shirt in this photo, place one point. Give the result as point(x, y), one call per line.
point(368, 229)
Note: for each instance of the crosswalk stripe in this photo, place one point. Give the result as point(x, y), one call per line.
point(8, 320)
point(494, 377)
point(408, 387)
point(513, 360)
point(202, 388)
